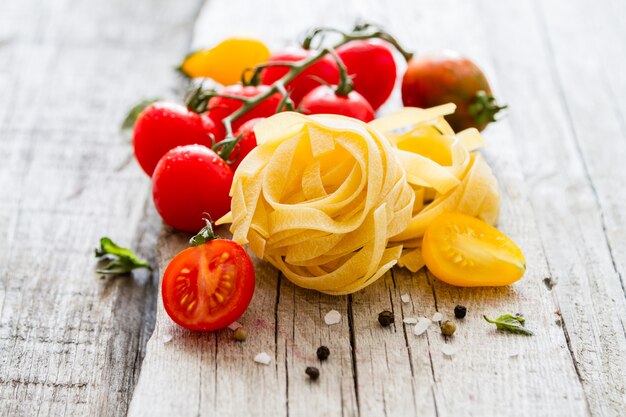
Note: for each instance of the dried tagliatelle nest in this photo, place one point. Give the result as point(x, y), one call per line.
point(319, 198)
point(443, 170)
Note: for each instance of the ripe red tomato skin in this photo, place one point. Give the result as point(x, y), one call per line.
point(189, 181)
point(166, 125)
point(372, 67)
point(445, 77)
point(323, 100)
point(190, 259)
point(246, 144)
point(220, 107)
point(325, 69)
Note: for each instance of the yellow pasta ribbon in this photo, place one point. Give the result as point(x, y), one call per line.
point(319, 198)
point(444, 171)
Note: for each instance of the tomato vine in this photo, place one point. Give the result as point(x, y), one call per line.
point(199, 98)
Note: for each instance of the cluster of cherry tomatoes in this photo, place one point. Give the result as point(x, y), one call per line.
point(173, 144)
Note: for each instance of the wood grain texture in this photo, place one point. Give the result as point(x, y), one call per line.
point(70, 343)
point(560, 203)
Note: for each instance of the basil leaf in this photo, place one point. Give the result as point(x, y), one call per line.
point(121, 260)
point(510, 323)
point(133, 113)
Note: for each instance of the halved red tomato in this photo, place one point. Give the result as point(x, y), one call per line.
point(209, 286)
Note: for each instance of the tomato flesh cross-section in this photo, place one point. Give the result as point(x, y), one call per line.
point(209, 286)
point(465, 251)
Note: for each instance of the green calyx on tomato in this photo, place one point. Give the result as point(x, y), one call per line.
point(484, 108)
point(205, 235)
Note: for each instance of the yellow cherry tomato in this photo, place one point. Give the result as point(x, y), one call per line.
point(465, 251)
point(226, 61)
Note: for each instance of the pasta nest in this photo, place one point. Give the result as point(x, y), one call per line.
point(319, 198)
point(334, 203)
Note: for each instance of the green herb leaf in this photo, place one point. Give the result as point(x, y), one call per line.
point(510, 323)
point(133, 113)
point(123, 259)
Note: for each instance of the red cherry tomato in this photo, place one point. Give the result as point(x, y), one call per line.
point(371, 65)
point(220, 107)
point(447, 77)
point(246, 144)
point(163, 126)
point(323, 99)
point(325, 69)
point(207, 287)
point(189, 181)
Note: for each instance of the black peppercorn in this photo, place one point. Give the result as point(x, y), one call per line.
point(312, 372)
point(460, 311)
point(385, 318)
point(322, 353)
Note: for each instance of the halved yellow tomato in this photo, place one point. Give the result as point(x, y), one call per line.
point(226, 61)
point(465, 251)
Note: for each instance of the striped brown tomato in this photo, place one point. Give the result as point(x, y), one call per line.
point(448, 77)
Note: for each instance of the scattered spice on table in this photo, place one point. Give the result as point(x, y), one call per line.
point(240, 334)
point(312, 372)
point(448, 328)
point(422, 325)
point(449, 350)
point(263, 358)
point(460, 311)
point(332, 317)
point(322, 353)
point(385, 318)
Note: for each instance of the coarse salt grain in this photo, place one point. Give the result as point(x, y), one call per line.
point(449, 350)
point(405, 298)
point(234, 325)
point(514, 354)
point(332, 317)
point(409, 320)
point(263, 358)
point(421, 326)
point(437, 316)
point(166, 338)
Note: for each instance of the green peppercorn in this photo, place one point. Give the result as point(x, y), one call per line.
point(460, 311)
point(322, 353)
point(240, 334)
point(448, 328)
point(312, 372)
point(385, 318)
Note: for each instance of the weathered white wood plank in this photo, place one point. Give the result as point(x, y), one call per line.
point(70, 343)
point(574, 127)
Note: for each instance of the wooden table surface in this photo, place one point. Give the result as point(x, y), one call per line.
point(73, 344)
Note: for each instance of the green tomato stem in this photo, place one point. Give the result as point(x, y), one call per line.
point(361, 32)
